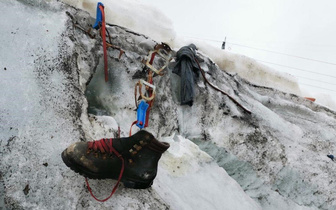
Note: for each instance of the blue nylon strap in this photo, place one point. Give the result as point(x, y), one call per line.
point(99, 17)
point(141, 114)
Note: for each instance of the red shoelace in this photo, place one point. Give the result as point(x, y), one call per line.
point(105, 146)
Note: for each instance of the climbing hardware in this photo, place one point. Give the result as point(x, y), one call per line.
point(100, 24)
point(164, 52)
point(138, 88)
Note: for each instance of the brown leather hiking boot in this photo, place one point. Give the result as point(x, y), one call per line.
point(102, 159)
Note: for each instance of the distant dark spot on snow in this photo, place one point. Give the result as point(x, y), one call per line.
point(10, 140)
point(26, 189)
point(45, 164)
point(5, 68)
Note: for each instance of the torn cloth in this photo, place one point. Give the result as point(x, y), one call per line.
point(188, 70)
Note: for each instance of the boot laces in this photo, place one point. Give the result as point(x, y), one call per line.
point(103, 145)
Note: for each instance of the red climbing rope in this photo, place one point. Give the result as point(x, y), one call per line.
point(103, 35)
point(130, 133)
point(105, 145)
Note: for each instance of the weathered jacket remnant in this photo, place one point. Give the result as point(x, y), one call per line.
point(187, 69)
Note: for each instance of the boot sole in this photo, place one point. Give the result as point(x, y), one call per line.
point(128, 183)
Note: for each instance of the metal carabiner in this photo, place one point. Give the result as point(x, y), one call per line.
point(138, 87)
point(164, 51)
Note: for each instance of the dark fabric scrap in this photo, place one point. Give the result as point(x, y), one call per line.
point(331, 157)
point(187, 68)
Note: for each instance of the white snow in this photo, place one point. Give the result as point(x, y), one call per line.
point(37, 123)
point(143, 18)
point(186, 182)
point(20, 51)
point(134, 15)
point(146, 19)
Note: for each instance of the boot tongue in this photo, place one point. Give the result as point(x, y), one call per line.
point(143, 137)
point(140, 139)
point(157, 146)
point(154, 144)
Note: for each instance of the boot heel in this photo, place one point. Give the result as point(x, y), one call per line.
point(137, 185)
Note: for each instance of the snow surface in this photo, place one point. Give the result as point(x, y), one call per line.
point(220, 157)
point(37, 124)
point(134, 15)
point(146, 19)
